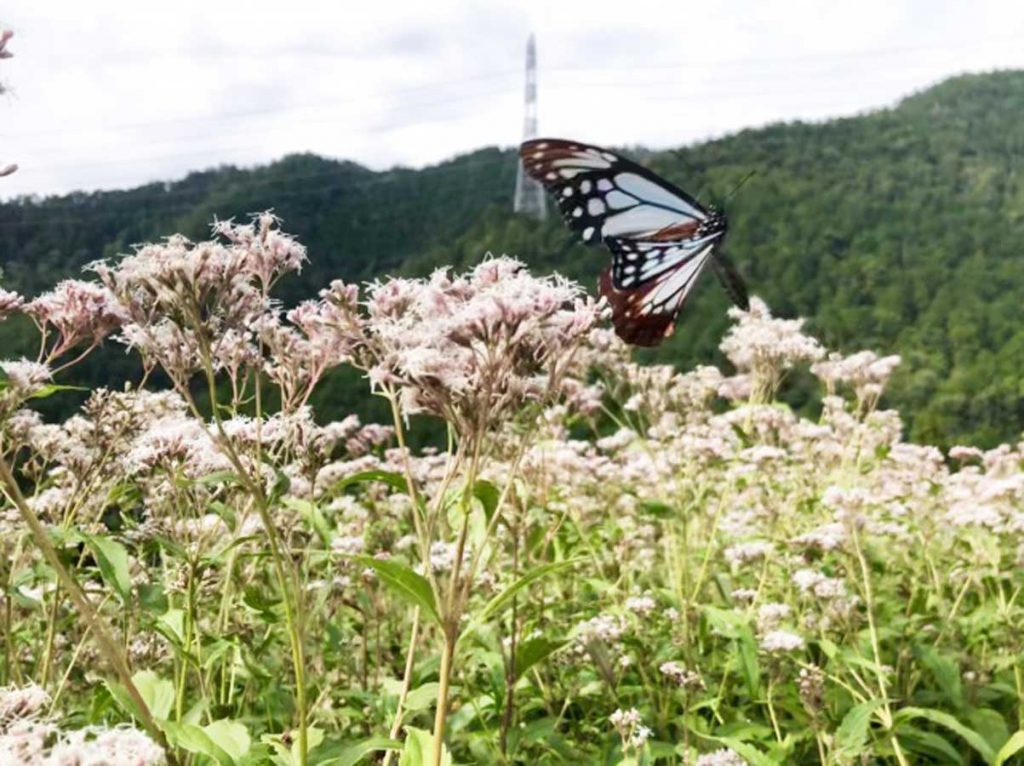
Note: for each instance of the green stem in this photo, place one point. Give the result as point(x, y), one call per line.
point(410, 657)
point(109, 647)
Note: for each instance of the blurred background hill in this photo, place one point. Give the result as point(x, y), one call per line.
point(899, 230)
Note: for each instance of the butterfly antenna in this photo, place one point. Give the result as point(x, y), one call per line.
point(740, 185)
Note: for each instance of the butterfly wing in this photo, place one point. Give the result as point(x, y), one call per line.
point(645, 309)
point(602, 194)
point(660, 237)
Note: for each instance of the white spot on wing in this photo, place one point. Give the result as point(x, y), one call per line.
point(595, 206)
point(639, 220)
point(648, 191)
point(617, 200)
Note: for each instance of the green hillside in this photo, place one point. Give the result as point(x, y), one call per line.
point(899, 230)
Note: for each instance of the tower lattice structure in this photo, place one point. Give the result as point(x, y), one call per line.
point(530, 198)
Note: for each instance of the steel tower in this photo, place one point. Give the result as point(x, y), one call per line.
point(530, 194)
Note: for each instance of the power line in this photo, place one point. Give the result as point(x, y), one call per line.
point(502, 74)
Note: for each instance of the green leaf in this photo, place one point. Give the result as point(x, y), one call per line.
point(157, 693)
point(736, 626)
point(123, 699)
point(749, 753)
point(352, 754)
point(488, 495)
point(391, 478)
point(534, 650)
point(852, 734)
point(230, 736)
point(413, 587)
point(942, 718)
point(749, 666)
point(504, 599)
point(419, 749)
point(194, 739)
point(991, 725)
point(112, 560)
point(1012, 746)
point(218, 477)
point(422, 697)
point(945, 671)
point(312, 515)
point(929, 743)
point(52, 388)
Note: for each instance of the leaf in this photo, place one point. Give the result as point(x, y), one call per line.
point(112, 560)
point(945, 671)
point(504, 599)
point(157, 693)
point(488, 495)
point(413, 587)
point(1012, 746)
point(749, 753)
point(852, 733)
point(929, 743)
point(735, 626)
point(534, 650)
point(231, 736)
point(422, 697)
point(391, 478)
point(989, 724)
point(218, 477)
point(312, 515)
point(749, 666)
point(352, 754)
point(282, 483)
point(942, 718)
point(52, 388)
point(194, 739)
point(418, 749)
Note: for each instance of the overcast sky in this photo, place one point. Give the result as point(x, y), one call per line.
point(114, 94)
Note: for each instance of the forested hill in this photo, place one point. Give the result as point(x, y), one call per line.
point(899, 230)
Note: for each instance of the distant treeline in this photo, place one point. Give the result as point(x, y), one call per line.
point(899, 230)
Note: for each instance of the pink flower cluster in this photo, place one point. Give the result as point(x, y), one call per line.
point(471, 348)
point(79, 312)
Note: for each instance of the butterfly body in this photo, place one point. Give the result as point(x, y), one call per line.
point(660, 237)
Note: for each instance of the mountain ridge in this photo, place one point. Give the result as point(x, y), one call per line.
point(896, 229)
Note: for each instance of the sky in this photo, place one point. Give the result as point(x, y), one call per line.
point(115, 94)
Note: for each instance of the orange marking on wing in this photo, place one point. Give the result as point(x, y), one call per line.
point(676, 231)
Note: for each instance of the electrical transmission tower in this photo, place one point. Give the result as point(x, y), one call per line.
point(530, 194)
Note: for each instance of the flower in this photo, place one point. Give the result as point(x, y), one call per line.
point(79, 312)
point(25, 378)
point(641, 605)
point(723, 757)
point(22, 703)
point(780, 641)
point(680, 676)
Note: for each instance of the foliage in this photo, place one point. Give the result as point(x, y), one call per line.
point(609, 562)
point(896, 230)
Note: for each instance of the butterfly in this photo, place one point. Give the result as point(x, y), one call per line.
point(660, 237)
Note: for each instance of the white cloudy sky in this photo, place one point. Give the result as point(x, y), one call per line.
point(113, 94)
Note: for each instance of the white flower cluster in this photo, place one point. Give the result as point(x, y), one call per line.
point(723, 757)
point(28, 738)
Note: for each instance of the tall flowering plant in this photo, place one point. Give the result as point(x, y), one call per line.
point(481, 351)
point(751, 584)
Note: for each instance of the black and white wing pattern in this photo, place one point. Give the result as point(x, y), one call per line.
point(659, 236)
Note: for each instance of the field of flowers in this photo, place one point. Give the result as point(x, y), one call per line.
point(607, 563)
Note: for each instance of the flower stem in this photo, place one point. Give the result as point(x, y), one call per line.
point(109, 647)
